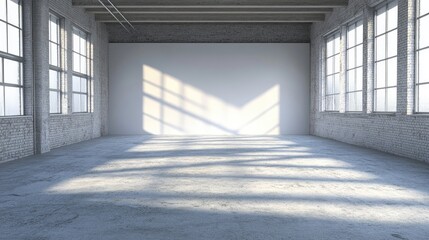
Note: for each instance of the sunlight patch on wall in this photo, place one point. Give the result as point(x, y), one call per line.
point(172, 107)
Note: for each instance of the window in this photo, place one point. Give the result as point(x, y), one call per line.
point(332, 71)
point(54, 64)
point(422, 56)
point(80, 71)
point(386, 39)
point(11, 82)
point(354, 69)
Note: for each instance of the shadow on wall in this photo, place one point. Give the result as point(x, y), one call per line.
point(209, 89)
point(173, 107)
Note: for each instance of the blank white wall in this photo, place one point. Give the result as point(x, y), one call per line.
point(209, 89)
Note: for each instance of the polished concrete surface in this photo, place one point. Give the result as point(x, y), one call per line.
point(141, 187)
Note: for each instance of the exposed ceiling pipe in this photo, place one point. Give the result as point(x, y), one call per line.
point(120, 22)
point(126, 20)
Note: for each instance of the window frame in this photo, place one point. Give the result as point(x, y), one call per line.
point(57, 68)
point(385, 59)
point(417, 51)
point(12, 57)
point(355, 23)
point(80, 74)
point(332, 35)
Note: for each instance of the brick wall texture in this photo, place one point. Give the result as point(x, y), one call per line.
point(402, 133)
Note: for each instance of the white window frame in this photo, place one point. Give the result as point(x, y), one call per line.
point(385, 60)
point(12, 57)
point(419, 49)
point(334, 95)
point(358, 44)
point(55, 68)
point(80, 74)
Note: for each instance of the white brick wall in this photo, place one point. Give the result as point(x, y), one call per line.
point(401, 133)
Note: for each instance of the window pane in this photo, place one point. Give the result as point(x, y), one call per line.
point(13, 12)
point(330, 103)
point(359, 79)
point(423, 32)
point(330, 48)
point(380, 100)
point(337, 64)
point(351, 36)
point(380, 21)
point(337, 83)
point(330, 66)
point(392, 43)
point(3, 10)
point(53, 54)
point(13, 40)
point(83, 46)
point(392, 16)
point(83, 65)
point(380, 47)
point(380, 69)
point(12, 100)
point(330, 85)
point(359, 32)
point(53, 79)
point(83, 103)
point(83, 85)
point(54, 102)
point(391, 98)
point(337, 45)
point(359, 55)
point(76, 84)
point(351, 80)
point(423, 100)
point(1, 70)
point(391, 73)
point(351, 63)
point(423, 66)
point(351, 102)
point(53, 36)
point(424, 7)
point(3, 35)
point(76, 62)
point(1, 101)
point(76, 103)
point(11, 71)
point(75, 42)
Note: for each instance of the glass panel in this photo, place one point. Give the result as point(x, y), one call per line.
point(13, 40)
point(75, 42)
point(380, 100)
point(53, 36)
point(392, 72)
point(11, 71)
point(76, 84)
point(392, 16)
point(359, 55)
point(351, 63)
point(83, 103)
point(83, 65)
point(337, 83)
point(83, 85)
point(423, 66)
point(380, 48)
point(336, 102)
point(3, 37)
point(359, 33)
point(1, 70)
point(12, 101)
point(3, 10)
point(351, 101)
point(423, 99)
point(380, 69)
point(76, 102)
point(1, 101)
point(330, 103)
point(337, 64)
point(13, 12)
point(351, 80)
point(53, 54)
point(329, 47)
point(424, 7)
point(337, 45)
point(359, 79)
point(53, 102)
point(351, 36)
point(330, 85)
point(423, 32)
point(392, 43)
point(380, 21)
point(330, 66)
point(391, 98)
point(83, 45)
point(76, 62)
point(53, 79)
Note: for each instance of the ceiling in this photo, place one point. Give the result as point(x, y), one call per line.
point(210, 11)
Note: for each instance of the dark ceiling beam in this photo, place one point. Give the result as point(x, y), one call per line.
point(213, 11)
point(212, 18)
point(215, 3)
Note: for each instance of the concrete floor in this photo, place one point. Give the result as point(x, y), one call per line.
point(296, 187)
